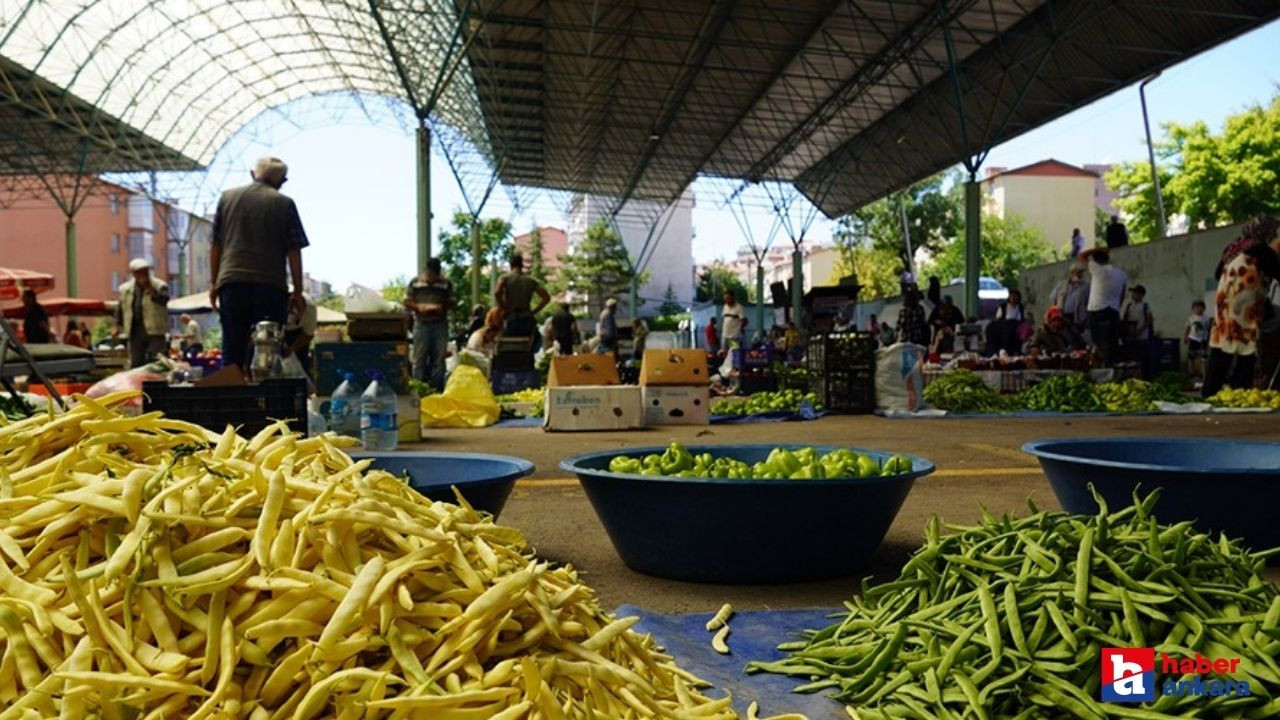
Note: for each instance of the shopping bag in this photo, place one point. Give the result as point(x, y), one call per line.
point(467, 402)
point(360, 299)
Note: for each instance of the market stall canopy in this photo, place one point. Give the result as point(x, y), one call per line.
point(66, 306)
point(13, 281)
point(198, 304)
point(848, 99)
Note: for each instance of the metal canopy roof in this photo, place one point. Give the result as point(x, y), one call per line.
point(849, 99)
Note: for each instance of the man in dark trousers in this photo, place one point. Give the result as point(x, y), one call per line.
point(143, 313)
point(515, 294)
point(256, 230)
point(429, 298)
point(1117, 233)
point(35, 321)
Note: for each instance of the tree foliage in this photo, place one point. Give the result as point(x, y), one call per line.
point(670, 302)
point(935, 214)
point(1210, 178)
point(875, 268)
point(1008, 246)
point(454, 252)
point(715, 279)
point(537, 269)
point(598, 268)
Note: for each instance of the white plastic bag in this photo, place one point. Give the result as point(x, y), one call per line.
point(360, 299)
point(900, 378)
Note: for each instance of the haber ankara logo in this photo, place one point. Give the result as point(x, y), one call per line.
point(1128, 674)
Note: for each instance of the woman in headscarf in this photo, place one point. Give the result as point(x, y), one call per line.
point(1247, 268)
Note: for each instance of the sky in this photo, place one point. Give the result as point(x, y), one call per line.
point(355, 182)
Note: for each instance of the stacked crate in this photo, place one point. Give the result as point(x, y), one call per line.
point(378, 342)
point(675, 387)
point(842, 370)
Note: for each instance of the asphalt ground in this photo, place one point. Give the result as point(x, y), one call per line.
point(979, 464)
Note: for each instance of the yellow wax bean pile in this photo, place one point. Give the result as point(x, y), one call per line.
point(152, 569)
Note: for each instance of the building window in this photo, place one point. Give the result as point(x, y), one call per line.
point(114, 201)
point(115, 243)
point(115, 281)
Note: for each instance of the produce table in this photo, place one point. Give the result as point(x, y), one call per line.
point(754, 636)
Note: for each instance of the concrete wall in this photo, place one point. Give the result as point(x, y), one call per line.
point(1175, 271)
point(1053, 204)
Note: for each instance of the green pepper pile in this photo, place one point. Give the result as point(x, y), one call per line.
point(1062, 393)
point(1252, 398)
point(1005, 620)
point(963, 391)
point(763, 402)
point(1134, 395)
point(781, 464)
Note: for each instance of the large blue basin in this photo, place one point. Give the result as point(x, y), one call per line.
point(743, 531)
point(1228, 486)
point(484, 480)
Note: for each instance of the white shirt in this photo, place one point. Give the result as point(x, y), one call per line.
point(733, 321)
point(1136, 313)
point(1106, 287)
point(1011, 312)
point(1198, 328)
point(193, 333)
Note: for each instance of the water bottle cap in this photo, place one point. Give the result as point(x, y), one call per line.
point(377, 374)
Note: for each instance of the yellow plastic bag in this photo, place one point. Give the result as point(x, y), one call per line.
point(467, 402)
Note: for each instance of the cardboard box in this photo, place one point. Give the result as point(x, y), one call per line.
point(593, 407)
point(582, 370)
point(677, 404)
point(674, 367)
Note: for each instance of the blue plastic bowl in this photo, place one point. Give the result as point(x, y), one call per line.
point(1228, 486)
point(484, 480)
point(743, 531)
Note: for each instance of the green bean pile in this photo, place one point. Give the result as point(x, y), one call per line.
point(1006, 619)
point(962, 391)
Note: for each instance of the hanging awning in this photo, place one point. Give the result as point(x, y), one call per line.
point(55, 306)
point(13, 281)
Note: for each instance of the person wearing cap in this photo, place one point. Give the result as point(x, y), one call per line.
point(607, 328)
point(1056, 336)
point(142, 314)
point(514, 294)
point(256, 231)
point(430, 298)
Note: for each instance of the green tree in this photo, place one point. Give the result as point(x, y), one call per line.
point(1100, 222)
point(537, 269)
point(395, 288)
point(715, 279)
point(935, 214)
point(1210, 178)
point(455, 256)
point(670, 303)
point(1008, 247)
point(598, 267)
point(874, 266)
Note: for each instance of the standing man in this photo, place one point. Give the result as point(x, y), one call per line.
point(514, 295)
point(142, 313)
point(1117, 233)
point(192, 334)
point(564, 330)
point(429, 298)
point(1106, 293)
point(35, 321)
point(1077, 242)
point(735, 321)
point(256, 230)
point(607, 328)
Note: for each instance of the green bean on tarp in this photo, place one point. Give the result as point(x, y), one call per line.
point(1006, 620)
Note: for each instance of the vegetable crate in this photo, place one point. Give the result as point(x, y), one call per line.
point(249, 407)
point(841, 351)
point(752, 359)
point(850, 391)
point(751, 382)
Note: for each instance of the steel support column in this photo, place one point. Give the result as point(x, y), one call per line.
point(759, 295)
point(477, 260)
point(71, 256)
point(634, 303)
point(424, 193)
point(797, 287)
point(182, 269)
point(972, 244)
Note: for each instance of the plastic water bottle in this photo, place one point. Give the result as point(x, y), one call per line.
point(344, 407)
point(378, 427)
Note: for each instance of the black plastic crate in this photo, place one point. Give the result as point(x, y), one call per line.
point(751, 382)
point(250, 408)
point(753, 358)
point(850, 391)
point(841, 351)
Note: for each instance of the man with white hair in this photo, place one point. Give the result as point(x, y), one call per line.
point(256, 230)
point(142, 313)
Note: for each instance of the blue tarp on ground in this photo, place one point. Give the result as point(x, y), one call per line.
point(754, 636)
point(518, 422)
